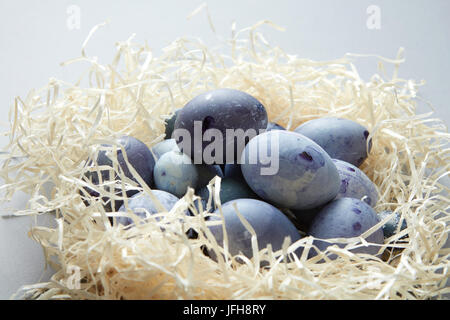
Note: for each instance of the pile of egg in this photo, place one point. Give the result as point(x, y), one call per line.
point(315, 189)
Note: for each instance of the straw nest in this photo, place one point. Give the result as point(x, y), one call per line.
point(55, 130)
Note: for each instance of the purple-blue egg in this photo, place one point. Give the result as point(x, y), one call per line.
point(274, 126)
point(162, 147)
point(175, 173)
point(140, 158)
point(346, 218)
point(270, 224)
point(202, 124)
point(355, 183)
point(170, 124)
point(289, 170)
point(142, 205)
point(342, 139)
point(391, 226)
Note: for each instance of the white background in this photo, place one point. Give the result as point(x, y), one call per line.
point(35, 38)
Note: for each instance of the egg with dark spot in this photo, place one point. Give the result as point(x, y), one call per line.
point(289, 170)
point(175, 173)
point(346, 218)
point(342, 139)
point(270, 224)
point(139, 157)
point(214, 127)
point(355, 183)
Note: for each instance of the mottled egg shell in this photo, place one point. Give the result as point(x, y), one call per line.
point(139, 157)
point(174, 172)
point(289, 170)
point(342, 139)
point(142, 205)
point(355, 183)
point(270, 224)
point(392, 225)
point(346, 218)
point(215, 112)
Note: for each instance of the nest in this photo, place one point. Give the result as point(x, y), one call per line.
point(56, 129)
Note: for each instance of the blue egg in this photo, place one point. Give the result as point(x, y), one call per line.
point(270, 224)
point(218, 113)
point(346, 218)
point(175, 173)
point(164, 146)
point(274, 126)
point(289, 170)
point(170, 124)
point(342, 139)
point(206, 173)
point(142, 205)
point(391, 226)
point(355, 183)
point(139, 157)
point(230, 189)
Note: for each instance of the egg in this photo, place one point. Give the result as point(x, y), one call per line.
point(175, 173)
point(355, 183)
point(214, 126)
point(342, 139)
point(346, 218)
point(289, 170)
point(271, 226)
point(139, 157)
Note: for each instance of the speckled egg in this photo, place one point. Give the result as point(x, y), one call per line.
point(342, 139)
point(174, 172)
point(289, 170)
point(346, 218)
point(207, 120)
point(355, 183)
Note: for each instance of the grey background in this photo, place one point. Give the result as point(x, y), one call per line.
point(34, 39)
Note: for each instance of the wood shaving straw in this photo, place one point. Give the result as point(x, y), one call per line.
point(56, 129)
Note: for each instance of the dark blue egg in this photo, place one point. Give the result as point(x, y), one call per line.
point(170, 124)
point(270, 224)
point(206, 173)
point(342, 139)
point(274, 126)
point(289, 170)
point(140, 158)
point(213, 127)
point(175, 173)
point(355, 183)
point(391, 227)
point(230, 189)
point(346, 218)
point(142, 205)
